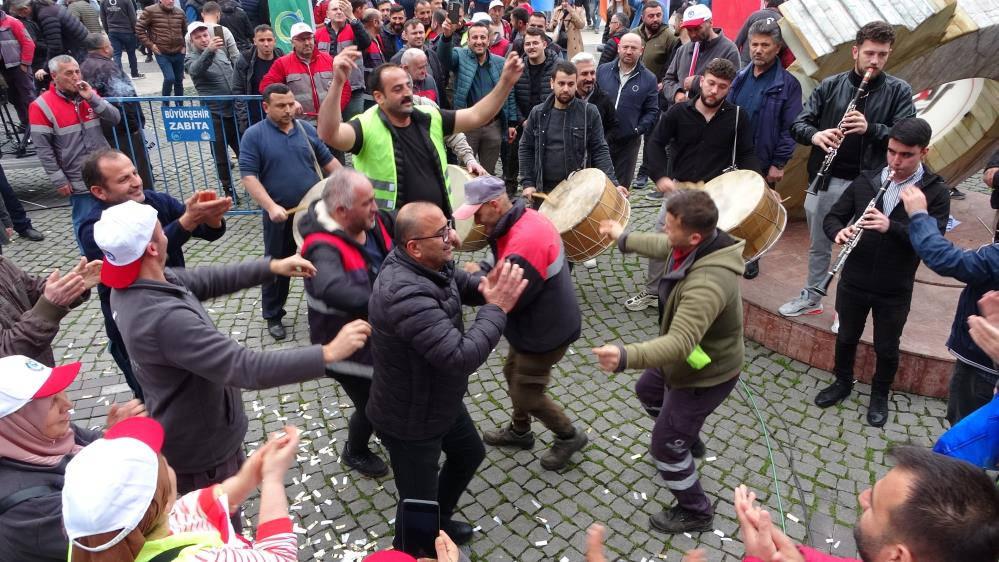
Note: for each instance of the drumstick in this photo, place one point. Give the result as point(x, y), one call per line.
point(987, 227)
point(297, 209)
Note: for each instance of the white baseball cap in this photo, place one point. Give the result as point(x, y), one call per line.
point(111, 482)
point(496, 3)
point(481, 17)
point(299, 28)
point(695, 15)
point(122, 234)
point(25, 379)
point(196, 25)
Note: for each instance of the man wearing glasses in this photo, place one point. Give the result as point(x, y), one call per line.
point(423, 357)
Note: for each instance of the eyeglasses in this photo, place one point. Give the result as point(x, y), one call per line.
point(444, 234)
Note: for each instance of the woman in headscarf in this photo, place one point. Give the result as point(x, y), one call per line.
point(37, 440)
point(120, 503)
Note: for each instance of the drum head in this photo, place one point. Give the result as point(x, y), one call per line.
point(311, 196)
point(574, 199)
point(736, 194)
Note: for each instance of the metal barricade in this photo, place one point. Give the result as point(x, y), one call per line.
point(181, 144)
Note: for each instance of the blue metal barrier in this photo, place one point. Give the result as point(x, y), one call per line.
point(181, 144)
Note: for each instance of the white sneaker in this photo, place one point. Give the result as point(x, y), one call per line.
point(835, 324)
point(800, 305)
point(641, 301)
point(590, 264)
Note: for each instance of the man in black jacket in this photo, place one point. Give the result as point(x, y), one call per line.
point(587, 90)
point(533, 87)
point(550, 149)
point(251, 68)
point(861, 142)
point(346, 238)
point(423, 357)
point(880, 272)
point(61, 33)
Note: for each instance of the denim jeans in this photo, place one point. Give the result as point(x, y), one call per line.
point(172, 67)
point(125, 43)
point(82, 204)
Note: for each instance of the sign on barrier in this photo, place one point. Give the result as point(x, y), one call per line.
point(188, 124)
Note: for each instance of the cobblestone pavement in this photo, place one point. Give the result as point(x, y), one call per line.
point(525, 512)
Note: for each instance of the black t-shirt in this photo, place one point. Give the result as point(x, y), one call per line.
point(260, 69)
point(415, 161)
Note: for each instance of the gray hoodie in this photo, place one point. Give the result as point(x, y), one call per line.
point(190, 372)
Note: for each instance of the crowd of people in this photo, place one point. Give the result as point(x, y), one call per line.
point(510, 94)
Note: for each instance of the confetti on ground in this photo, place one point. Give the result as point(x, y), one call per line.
point(636, 457)
point(719, 533)
point(710, 459)
point(536, 504)
point(835, 546)
point(497, 520)
point(792, 518)
point(541, 543)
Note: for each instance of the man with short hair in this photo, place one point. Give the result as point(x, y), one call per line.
point(251, 67)
point(281, 159)
point(237, 21)
point(375, 54)
point(518, 23)
point(694, 364)
point(423, 13)
point(587, 90)
point(861, 143)
point(698, 136)
point(681, 80)
point(771, 99)
point(617, 26)
point(211, 69)
point(927, 508)
point(385, 8)
point(635, 90)
point(347, 238)
point(415, 38)
point(65, 127)
point(392, 40)
point(160, 29)
point(545, 322)
point(119, 18)
point(341, 30)
point(399, 145)
point(190, 372)
point(769, 12)
point(211, 15)
point(307, 71)
point(879, 276)
point(533, 88)
point(477, 73)
point(113, 179)
point(423, 357)
point(539, 20)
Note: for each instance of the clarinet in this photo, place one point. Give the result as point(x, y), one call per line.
point(813, 188)
point(823, 287)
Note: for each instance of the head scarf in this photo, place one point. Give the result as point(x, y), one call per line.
point(21, 437)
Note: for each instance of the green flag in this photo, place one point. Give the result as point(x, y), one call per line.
point(284, 14)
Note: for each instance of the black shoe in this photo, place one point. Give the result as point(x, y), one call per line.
point(956, 193)
point(139, 75)
point(459, 531)
point(877, 411)
point(833, 394)
point(32, 234)
point(367, 463)
point(276, 330)
point(752, 270)
point(148, 59)
point(697, 450)
point(679, 520)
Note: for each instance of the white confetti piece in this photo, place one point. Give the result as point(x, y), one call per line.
point(564, 559)
point(476, 529)
point(636, 457)
point(830, 540)
point(536, 504)
point(645, 497)
point(606, 491)
point(497, 520)
point(719, 533)
point(710, 459)
point(541, 543)
point(688, 535)
point(835, 546)
point(792, 517)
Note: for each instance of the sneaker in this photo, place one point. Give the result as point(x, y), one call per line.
point(802, 305)
point(752, 270)
point(558, 456)
point(833, 394)
point(507, 437)
point(138, 75)
point(835, 325)
point(955, 193)
point(590, 264)
point(679, 520)
point(640, 183)
point(655, 195)
point(366, 462)
point(641, 301)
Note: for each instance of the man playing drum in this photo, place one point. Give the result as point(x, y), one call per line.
point(549, 149)
point(545, 321)
point(694, 363)
point(706, 135)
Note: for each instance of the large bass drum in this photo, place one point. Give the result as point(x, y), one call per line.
point(577, 205)
point(748, 209)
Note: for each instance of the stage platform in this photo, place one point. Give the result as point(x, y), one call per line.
point(926, 364)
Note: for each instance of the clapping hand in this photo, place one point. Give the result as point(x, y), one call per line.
point(132, 409)
point(503, 286)
point(90, 271)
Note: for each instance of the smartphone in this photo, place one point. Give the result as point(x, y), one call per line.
point(454, 11)
point(219, 32)
point(421, 523)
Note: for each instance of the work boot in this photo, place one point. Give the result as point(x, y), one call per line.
point(679, 520)
point(558, 456)
point(833, 394)
point(365, 462)
point(506, 437)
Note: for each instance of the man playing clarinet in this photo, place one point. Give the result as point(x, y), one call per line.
point(878, 274)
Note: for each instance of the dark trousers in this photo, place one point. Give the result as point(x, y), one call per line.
point(191, 481)
point(278, 243)
point(172, 67)
point(17, 213)
point(643, 170)
point(527, 377)
point(116, 347)
point(125, 43)
point(624, 155)
point(679, 414)
point(890, 313)
point(226, 134)
point(21, 92)
point(970, 389)
point(415, 467)
point(511, 162)
point(359, 428)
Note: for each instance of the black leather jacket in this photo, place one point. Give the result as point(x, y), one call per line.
point(888, 100)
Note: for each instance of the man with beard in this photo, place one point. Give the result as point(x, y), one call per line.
point(415, 35)
point(587, 90)
point(771, 98)
point(550, 150)
point(699, 134)
point(251, 67)
point(532, 88)
point(307, 71)
point(392, 40)
point(399, 147)
point(927, 508)
point(682, 79)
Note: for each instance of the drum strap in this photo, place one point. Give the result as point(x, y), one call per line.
point(735, 142)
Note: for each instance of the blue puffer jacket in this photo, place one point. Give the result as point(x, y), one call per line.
point(463, 63)
point(781, 105)
point(636, 102)
point(979, 269)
